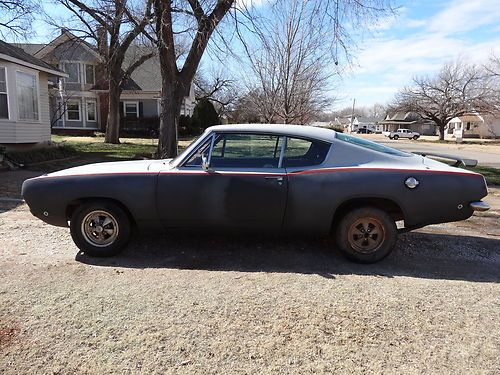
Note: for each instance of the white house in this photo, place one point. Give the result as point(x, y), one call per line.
point(474, 125)
point(358, 122)
point(24, 97)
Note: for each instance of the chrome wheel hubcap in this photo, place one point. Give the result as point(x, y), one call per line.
point(366, 235)
point(100, 228)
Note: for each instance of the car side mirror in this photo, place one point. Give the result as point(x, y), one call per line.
point(204, 163)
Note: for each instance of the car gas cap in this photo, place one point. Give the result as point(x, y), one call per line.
point(411, 182)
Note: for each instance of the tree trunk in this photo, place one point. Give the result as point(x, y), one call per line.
point(441, 126)
point(171, 90)
point(113, 124)
point(169, 119)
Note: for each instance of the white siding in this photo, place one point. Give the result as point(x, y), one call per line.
point(14, 131)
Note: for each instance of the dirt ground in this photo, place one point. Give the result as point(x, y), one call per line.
point(203, 304)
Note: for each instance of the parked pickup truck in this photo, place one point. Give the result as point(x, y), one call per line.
point(402, 133)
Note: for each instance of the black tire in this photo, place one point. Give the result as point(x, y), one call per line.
point(108, 237)
point(415, 137)
point(359, 245)
point(396, 137)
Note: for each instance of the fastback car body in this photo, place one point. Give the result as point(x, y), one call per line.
point(280, 178)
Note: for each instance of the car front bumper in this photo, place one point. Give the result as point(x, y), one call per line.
point(480, 206)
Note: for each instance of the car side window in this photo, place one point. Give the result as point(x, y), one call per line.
point(246, 151)
point(195, 159)
point(302, 152)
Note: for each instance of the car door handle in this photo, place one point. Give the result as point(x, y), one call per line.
point(279, 179)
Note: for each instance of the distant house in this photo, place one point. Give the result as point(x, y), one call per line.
point(408, 120)
point(79, 104)
point(474, 125)
point(358, 122)
point(24, 96)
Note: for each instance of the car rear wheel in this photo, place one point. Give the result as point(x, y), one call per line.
point(366, 235)
point(396, 137)
point(100, 228)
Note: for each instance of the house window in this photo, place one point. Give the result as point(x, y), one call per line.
point(27, 96)
point(4, 105)
point(468, 126)
point(89, 74)
point(73, 111)
point(131, 109)
point(91, 111)
point(73, 70)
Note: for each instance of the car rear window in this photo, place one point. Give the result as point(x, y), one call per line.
point(371, 145)
point(303, 152)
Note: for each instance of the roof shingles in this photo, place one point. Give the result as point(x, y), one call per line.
point(20, 54)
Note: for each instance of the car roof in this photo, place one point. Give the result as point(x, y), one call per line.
point(291, 130)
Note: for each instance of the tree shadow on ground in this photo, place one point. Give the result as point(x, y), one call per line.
point(422, 255)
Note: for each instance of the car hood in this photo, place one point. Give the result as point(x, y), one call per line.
point(119, 167)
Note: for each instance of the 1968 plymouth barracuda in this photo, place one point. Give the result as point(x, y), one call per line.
point(278, 178)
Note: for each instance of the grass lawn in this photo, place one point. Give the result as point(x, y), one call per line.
point(75, 151)
point(132, 148)
point(129, 148)
point(492, 175)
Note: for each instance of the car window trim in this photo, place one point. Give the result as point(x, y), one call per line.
point(201, 142)
point(312, 140)
point(216, 134)
point(212, 143)
point(284, 144)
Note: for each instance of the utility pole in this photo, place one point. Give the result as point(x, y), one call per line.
point(352, 114)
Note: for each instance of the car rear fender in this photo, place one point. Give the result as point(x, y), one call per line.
point(386, 204)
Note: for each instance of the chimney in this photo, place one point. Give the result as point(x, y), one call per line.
point(102, 40)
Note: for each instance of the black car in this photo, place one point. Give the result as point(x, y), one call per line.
point(275, 178)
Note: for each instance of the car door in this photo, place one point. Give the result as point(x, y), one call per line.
point(244, 186)
point(308, 205)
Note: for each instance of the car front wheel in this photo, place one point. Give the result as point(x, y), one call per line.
point(366, 235)
point(415, 137)
point(100, 228)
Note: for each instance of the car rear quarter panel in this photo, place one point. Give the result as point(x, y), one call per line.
point(52, 195)
point(315, 195)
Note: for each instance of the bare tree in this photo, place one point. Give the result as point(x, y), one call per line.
point(493, 66)
point(16, 17)
point(458, 89)
point(123, 23)
point(200, 19)
point(291, 70)
point(218, 88)
point(378, 110)
point(203, 17)
point(245, 110)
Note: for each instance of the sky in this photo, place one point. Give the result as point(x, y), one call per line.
point(422, 37)
point(418, 40)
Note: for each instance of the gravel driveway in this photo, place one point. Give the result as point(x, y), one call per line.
point(203, 304)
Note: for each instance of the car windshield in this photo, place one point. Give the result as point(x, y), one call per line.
point(371, 145)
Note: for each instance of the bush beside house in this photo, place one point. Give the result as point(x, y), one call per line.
point(205, 115)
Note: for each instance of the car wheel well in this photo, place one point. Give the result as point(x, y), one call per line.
point(387, 205)
point(73, 205)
